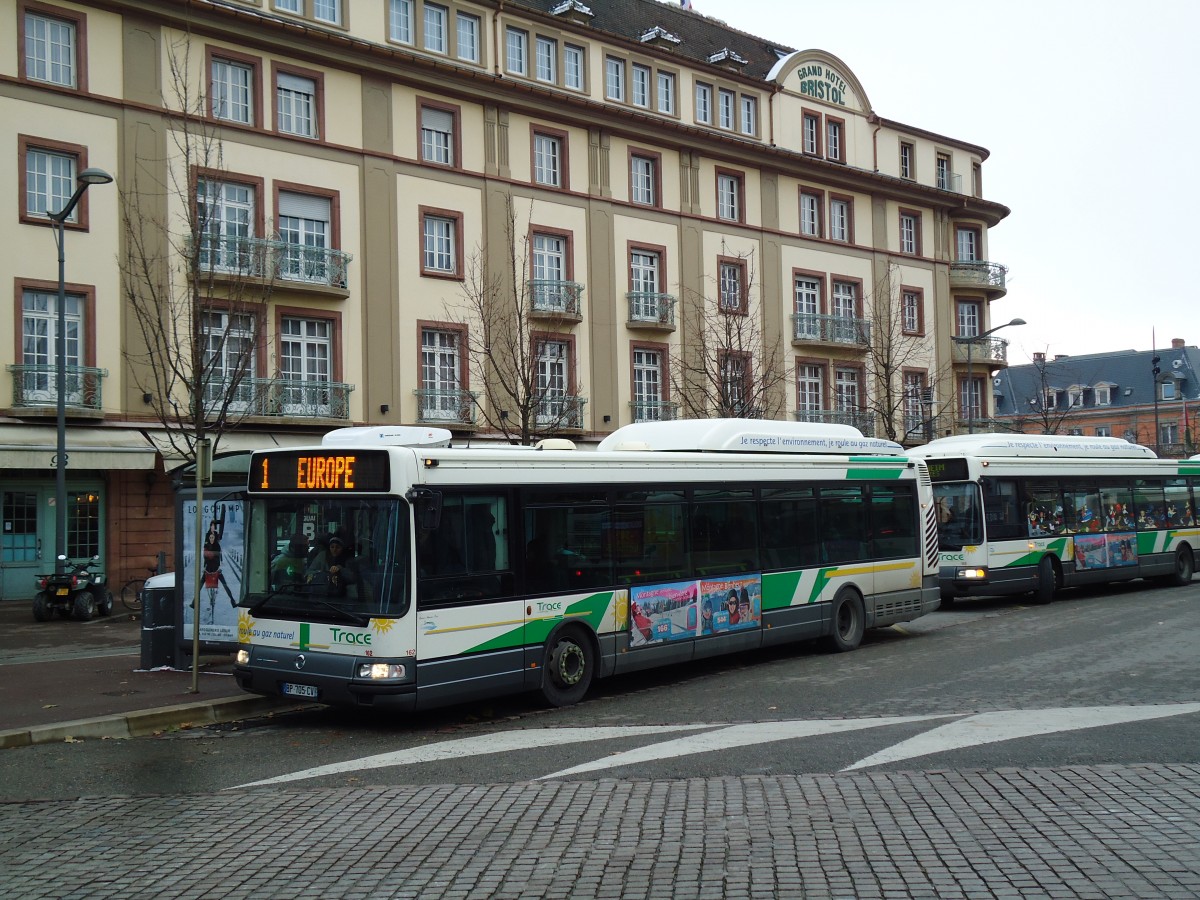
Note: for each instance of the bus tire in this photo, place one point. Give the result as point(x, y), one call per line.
point(1185, 565)
point(570, 667)
point(1047, 580)
point(849, 621)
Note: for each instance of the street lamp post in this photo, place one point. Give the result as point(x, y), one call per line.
point(970, 342)
point(86, 179)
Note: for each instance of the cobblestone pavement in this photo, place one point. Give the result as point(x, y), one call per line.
point(1102, 832)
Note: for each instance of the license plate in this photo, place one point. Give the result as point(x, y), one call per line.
point(301, 690)
point(62, 592)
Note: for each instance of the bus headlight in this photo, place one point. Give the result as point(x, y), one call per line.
point(381, 671)
point(978, 574)
point(242, 658)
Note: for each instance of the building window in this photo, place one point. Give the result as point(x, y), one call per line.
point(967, 244)
point(1167, 391)
point(729, 197)
point(910, 233)
point(553, 383)
point(39, 346)
point(703, 103)
point(1074, 397)
point(846, 391)
point(811, 133)
point(945, 177)
point(49, 182)
point(232, 91)
point(436, 24)
point(438, 128)
point(226, 215)
point(906, 160)
point(517, 42)
point(292, 6)
point(1103, 395)
point(400, 21)
point(468, 37)
point(305, 230)
point(1103, 431)
point(328, 11)
point(306, 364)
point(810, 388)
point(296, 104)
point(548, 159)
point(844, 307)
point(808, 307)
point(732, 286)
point(841, 222)
point(970, 398)
point(727, 101)
point(643, 180)
point(911, 311)
point(640, 93)
point(51, 47)
point(968, 318)
point(749, 115)
point(547, 60)
point(914, 403)
point(230, 354)
point(666, 93)
point(647, 385)
point(735, 385)
point(439, 254)
point(441, 375)
point(810, 214)
point(644, 267)
point(834, 129)
point(573, 67)
point(550, 262)
point(976, 179)
point(614, 79)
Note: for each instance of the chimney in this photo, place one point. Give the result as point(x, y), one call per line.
point(1058, 356)
point(1177, 343)
point(1039, 357)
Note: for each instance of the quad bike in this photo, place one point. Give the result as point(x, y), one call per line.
point(76, 591)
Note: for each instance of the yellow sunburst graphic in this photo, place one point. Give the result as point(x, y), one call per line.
point(246, 625)
point(621, 610)
point(382, 626)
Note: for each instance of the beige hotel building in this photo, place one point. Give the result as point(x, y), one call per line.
point(655, 172)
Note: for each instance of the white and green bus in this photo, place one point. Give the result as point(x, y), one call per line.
point(1035, 513)
point(484, 571)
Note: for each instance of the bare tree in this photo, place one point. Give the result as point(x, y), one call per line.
point(1046, 411)
point(195, 277)
point(728, 366)
point(512, 339)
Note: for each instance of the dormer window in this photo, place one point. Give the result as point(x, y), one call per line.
point(1104, 394)
point(1167, 391)
point(1074, 397)
point(728, 58)
point(660, 37)
point(573, 11)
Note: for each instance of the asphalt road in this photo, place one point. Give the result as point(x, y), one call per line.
point(1102, 677)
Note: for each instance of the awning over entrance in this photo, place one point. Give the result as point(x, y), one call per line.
point(34, 447)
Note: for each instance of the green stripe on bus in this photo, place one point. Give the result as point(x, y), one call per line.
point(874, 474)
point(589, 609)
point(778, 589)
point(1189, 470)
point(897, 461)
point(1058, 547)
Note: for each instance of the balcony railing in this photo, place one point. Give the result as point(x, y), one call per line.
point(651, 310)
point(561, 412)
point(988, 351)
point(301, 398)
point(556, 298)
point(38, 386)
point(863, 421)
point(830, 329)
point(253, 257)
point(978, 273)
point(654, 411)
point(452, 407)
point(949, 181)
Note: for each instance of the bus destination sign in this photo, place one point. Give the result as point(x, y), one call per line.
point(339, 471)
point(953, 469)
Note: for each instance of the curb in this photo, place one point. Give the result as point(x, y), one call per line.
point(145, 721)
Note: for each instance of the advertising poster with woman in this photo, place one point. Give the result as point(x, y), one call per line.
point(220, 563)
point(736, 602)
point(662, 612)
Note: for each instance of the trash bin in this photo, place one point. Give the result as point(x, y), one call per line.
point(158, 621)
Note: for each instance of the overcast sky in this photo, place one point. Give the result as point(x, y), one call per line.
point(1090, 110)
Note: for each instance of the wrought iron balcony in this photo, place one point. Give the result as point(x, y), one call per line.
point(978, 273)
point(556, 298)
point(253, 257)
point(451, 407)
point(863, 421)
point(651, 310)
point(300, 398)
point(560, 412)
point(654, 411)
point(988, 352)
point(814, 328)
point(37, 386)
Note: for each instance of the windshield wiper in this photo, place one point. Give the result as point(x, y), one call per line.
point(352, 617)
point(305, 591)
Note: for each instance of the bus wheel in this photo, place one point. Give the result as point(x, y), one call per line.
point(849, 621)
point(1184, 566)
point(1047, 583)
point(570, 665)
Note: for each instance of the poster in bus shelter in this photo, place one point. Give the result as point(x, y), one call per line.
point(221, 568)
point(662, 612)
point(1104, 551)
point(735, 603)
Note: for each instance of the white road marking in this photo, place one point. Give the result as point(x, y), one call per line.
point(501, 742)
point(735, 736)
point(989, 728)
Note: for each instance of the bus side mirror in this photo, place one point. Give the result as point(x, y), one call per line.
point(428, 506)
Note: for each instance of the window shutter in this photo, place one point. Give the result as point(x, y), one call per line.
point(437, 119)
point(295, 83)
point(304, 206)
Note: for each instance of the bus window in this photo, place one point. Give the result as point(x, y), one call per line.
point(1179, 503)
point(461, 559)
point(724, 538)
point(893, 521)
point(1043, 507)
point(567, 546)
point(1148, 500)
point(651, 536)
point(843, 524)
point(789, 528)
point(1002, 513)
point(960, 518)
point(1081, 508)
point(1117, 500)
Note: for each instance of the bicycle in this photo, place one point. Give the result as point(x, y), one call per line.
point(131, 591)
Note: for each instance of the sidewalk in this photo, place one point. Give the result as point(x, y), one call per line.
point(65, 679)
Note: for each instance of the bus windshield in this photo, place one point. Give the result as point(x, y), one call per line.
point(334, 559)
point(960, 514)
